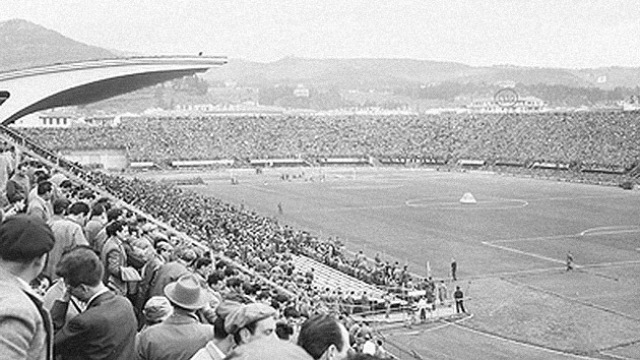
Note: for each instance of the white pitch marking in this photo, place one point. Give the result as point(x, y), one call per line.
point(588, 232)
point(551, 237)
point(615, 356)
point(503, 204)
point(523, 343)
point(525, 253)
point(615, 230)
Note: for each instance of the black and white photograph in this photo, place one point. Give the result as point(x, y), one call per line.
point(319, 180)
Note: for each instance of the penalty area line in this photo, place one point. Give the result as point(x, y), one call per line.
point(541, 257)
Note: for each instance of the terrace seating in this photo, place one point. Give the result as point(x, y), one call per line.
point(328, 277)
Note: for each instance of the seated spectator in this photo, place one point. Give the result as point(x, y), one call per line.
point(107, 328)
point(323, 337)
point(181, 335)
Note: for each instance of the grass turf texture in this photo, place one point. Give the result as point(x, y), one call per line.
point(511, 245)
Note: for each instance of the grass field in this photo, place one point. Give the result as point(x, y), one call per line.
point(510, 248)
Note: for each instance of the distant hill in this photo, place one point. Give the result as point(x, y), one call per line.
point(24, 44)
point(381, 73)
point(332, 83)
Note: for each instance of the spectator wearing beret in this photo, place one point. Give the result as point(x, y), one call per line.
point(251, 322)
point(181, 335)
point(26, 331)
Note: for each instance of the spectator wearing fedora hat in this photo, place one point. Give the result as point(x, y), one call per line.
point(26, 330)
point(181, 335)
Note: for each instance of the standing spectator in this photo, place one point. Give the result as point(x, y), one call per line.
point(40, 206)
point(114, 257)
point(6, 167)
point(26, 330)
point(251, 322)
point(112, 215)
point(106, 329)
point(180, 336)
point(153, 262)
point(422, 308)
point(19, 184)
point(458, 295)
point(96, 223)
point(67, 231)
point(442, 292)
point(323, 337)
point(454, 268)
point(171, 271)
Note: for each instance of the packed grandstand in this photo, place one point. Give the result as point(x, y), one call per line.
point(256, 259)
point(599, 146)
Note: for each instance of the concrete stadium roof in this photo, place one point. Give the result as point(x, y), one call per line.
point(26, 91)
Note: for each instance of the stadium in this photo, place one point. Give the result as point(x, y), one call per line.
point(486, 235)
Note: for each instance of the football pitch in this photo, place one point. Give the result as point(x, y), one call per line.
point(510, 247)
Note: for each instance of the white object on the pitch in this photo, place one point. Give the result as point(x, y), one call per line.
point(467, 198)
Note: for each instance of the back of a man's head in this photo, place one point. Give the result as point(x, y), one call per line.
point(115, 227)
point(97, 210)
point(44, 187)
point(319, 333)
point(79, 208)
point(114, 214)
point(80, 266)
point(60, 206)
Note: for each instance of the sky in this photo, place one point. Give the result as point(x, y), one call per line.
point(545, 33)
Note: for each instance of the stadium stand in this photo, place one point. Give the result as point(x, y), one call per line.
point(592, 140)
point(294, 269)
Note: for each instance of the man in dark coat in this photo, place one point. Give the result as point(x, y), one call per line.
point(107, 328)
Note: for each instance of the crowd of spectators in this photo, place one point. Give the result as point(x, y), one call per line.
point(607, 139)
point(142, 262)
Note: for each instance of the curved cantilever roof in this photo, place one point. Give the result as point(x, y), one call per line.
point(29, 90)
